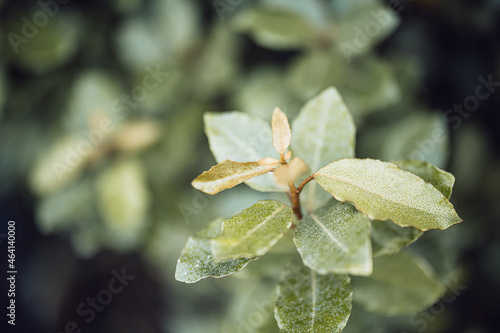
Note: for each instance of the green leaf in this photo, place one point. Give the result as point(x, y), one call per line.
point(335, 239)
point(275, 28)
point(383, 191)
point(228, 174)
point(124, 198)
point(196, 261)
point(322, 132)
point(420, 135)
point(252, 232)
point(400, 284)
point(310, 302)
point(388, 238)
point(441, 179)
point(242, 138)
point(357, 26)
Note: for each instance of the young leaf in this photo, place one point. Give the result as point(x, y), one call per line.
point(322, 132)
point(252, 232)
point(286, 173)
point(335, 239)
point(400, 284)
point(228, 174)
point(281, 131)
point(310, 302)
point(383, 191)
point(196, 261)
point(242, 138)
point(388, 238)
point(441, 179)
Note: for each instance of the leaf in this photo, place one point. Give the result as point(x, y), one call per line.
point(419, 136)
point(322, 132)
point(310, 302)
point(400, 284)
point(252, 232)
point(359, 26)
point(388, 238)
point(261, 90)
point(228, 174)
point(275, 28)
point(335, 239)
point(251, 309)
point(242, 138)
point(286, 173)
point(383, 191)
point(124, 198)
point(196, 261)
point(440, 179)
point(281, 131)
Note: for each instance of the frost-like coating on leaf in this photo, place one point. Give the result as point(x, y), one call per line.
point(383, 191)
point(252, 232)
point(335, 239)
point(281, 131)
point(240, 137)
point(388, 238)
point(400, 284)
point(440, 179)
point(322, 132)
point(196, 261)
point(310, 302)
point(228, 174)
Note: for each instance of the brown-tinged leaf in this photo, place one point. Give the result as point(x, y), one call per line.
point(282, 135)
point(287, 173)
point(228, 174)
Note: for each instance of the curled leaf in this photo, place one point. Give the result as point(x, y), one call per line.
point(282, 134)
point(228, 174)
point(269, 161)
point(287, 173)
point(242, 138)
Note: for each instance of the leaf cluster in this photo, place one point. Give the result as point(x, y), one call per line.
point(349, 217)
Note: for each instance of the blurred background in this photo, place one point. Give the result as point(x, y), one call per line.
point(101, 133)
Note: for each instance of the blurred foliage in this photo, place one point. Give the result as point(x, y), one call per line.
point(101, 121)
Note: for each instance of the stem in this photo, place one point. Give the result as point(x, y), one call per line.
point(304, 182)
point(295, 194)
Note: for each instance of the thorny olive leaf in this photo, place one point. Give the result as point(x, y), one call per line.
point(401, 283)
point(335, 239)
point(310, 302)
point(240, 137)
point(383, 191)
point(282, 133)
point(252, 232)
point(228, 174)
point(196, 261)
point(322, 132)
